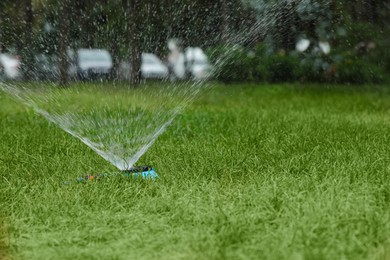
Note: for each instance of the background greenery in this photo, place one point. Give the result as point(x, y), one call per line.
point(247, 172)
point(358, 33)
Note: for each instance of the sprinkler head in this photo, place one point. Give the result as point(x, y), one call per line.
point(145, 172)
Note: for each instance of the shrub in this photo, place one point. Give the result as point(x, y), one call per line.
point(281, 68)
point(344, 67)
point(313, 67)
point(238, 64)
point(357, 71)
point(231, 63)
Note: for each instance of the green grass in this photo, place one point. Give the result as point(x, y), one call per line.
point(247, 172)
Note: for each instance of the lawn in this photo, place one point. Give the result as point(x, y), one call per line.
point(246, 172)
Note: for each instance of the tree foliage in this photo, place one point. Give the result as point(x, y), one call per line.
point(112, 25)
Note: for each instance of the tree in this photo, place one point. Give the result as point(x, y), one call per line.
point(133, 13)
point(28, 51)
point(2, 44)
point(63, 41)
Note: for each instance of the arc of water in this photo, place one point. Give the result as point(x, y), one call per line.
point(120, 163)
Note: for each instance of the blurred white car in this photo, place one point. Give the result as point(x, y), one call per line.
point(197, 64)
point(11, 66)
point(192, 63)
point(93, 63)
point(151, 68)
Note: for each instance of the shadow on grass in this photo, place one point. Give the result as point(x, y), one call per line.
point(383, 252)
point(3, 245)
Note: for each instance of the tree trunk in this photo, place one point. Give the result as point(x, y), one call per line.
point(365, 11)
point(370, 11)
point(63, 43)
point(133, 9)
point(225, 24)
point(134, 42)
point(27, 54)
point(115, 57)
point(2, 45)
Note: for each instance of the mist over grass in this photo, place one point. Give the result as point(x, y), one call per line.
point(246, 172)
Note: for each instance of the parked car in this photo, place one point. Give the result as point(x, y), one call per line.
point(93, 63)
point(151, 68)
point(192, 63)
point(197, 63)
point(11, 66)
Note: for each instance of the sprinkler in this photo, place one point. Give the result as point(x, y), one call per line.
point(144, 172)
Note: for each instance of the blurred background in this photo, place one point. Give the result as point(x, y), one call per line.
point(224, 40)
